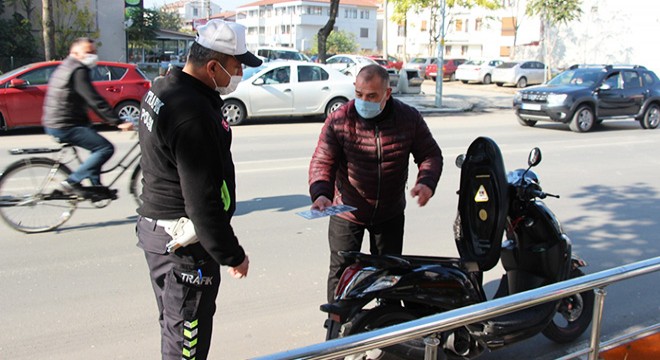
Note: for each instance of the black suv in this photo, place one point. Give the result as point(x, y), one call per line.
point(585, 95)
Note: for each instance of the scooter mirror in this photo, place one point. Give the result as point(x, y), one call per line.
point(460, 159)
point(534, 157)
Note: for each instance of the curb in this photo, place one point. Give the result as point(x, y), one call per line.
point(426, 104)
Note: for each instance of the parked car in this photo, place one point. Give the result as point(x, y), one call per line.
point(448, 69)
point(22, 91)
point(288, 88)
point(583, 96)
point(519, 73)
point(275, 53)
point(477, 71)
point(420, 64)
point(390, 63)
point(349, 64)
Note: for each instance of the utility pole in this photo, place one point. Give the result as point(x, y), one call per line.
point(440, 50)
point(385, 23)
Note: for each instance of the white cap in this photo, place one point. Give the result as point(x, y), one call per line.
point(226, 38)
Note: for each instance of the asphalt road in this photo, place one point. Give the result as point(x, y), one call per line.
point(82, 292)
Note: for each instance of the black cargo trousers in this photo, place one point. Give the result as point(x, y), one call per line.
point(186, 286)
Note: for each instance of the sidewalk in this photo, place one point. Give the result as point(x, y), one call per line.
point(425, 103)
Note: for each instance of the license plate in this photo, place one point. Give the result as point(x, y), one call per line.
point(535, 107)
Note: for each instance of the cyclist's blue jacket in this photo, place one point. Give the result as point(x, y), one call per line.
point(187, 164)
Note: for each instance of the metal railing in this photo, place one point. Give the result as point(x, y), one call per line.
point(395, 334)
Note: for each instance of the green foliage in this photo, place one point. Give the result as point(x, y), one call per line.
point(556, 12)
point(338, 42)
point(16, 40)
point(143, 26)
point(72, 20)
point(401, 7)
point(169, 20)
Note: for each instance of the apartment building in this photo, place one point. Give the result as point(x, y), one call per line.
point(469, 33)
point(190, 10)
point(294, 23)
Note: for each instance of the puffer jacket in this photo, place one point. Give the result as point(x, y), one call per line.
point(364, 162)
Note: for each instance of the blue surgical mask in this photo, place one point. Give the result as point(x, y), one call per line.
point(367, 109)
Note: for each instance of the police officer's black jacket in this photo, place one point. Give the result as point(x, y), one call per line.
point(70, 93)
point(187, 164)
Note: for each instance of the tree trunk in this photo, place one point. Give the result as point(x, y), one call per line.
point(325, 31)
point(48, 29)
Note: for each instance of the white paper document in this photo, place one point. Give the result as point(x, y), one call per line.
point(331, 210)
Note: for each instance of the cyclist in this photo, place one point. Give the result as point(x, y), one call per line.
point(70, 93)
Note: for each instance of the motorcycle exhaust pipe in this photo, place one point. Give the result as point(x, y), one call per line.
point(458, 342)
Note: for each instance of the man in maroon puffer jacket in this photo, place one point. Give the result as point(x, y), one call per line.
point(361, 160)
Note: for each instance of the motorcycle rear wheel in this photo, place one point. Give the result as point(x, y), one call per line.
point(383, 316)
point(573, 316)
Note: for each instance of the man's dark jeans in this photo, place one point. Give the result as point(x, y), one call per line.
point(88, 139)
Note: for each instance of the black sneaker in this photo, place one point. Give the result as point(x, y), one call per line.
point(100, 192)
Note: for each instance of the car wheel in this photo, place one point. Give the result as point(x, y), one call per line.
point(433, 78)
point(128, 111)
point(3, 123)
point(499, 84)
point(522, 82)
point(524, 122)
point(452, 77)
point(464, 81)
point(583, 119)
point(234, 112)
point(333, 105)
point(487, 79)
point(651, 117)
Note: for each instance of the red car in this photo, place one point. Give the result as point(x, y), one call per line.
point(22, 91)
point(390, 63)
point(448, 69)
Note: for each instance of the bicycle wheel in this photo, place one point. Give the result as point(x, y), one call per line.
point(136, 184)
point(29, 199)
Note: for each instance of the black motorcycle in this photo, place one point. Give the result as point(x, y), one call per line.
point(378, 291)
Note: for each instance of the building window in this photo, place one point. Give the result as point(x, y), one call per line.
point(350, 13)
point(467, 25)
point(364, 14)
point(399, 49)
point(423, 28)
point(508, 26)
point(459, 25)
point(464, 49)
point(195, 12)
point(478, 23)
point(364, 32)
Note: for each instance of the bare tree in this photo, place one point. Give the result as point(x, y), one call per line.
point(48, 29)
point(325, 31)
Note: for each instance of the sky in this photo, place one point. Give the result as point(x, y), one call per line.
point(224, 4)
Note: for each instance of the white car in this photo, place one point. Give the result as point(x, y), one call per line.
point(349, 64)
point(519, 73)
point(477, 70)
point(287, 88)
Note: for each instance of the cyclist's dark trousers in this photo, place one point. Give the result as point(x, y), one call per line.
point(385, 238)
point(88, 139)
point(186, 285)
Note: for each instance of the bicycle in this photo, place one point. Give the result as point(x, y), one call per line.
point(31, 200)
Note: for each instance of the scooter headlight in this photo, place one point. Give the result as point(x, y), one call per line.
point(384, 283)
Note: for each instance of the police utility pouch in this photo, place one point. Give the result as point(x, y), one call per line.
point(182, 232)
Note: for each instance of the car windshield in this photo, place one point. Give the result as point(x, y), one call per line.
point(7, 75)
point(418, 61)
point(362, 59)
point(474, 62)
point(577, 77)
